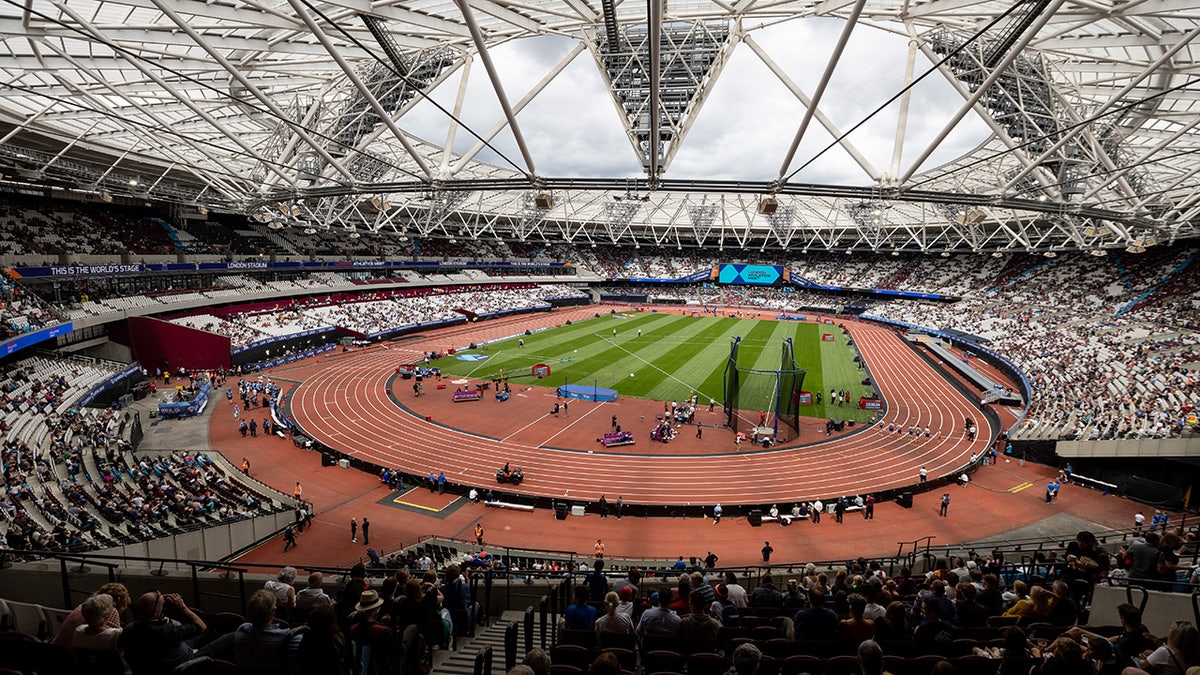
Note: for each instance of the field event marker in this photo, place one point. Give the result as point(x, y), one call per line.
point(1023, 486)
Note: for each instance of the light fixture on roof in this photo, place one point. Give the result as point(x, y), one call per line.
point(545, 200)
point(593, 244)
point(945, 254)
point(1135, 247)
point(275, 225)
point(895, 252)
point(106, 196)
point(202, 210)
point(133, 182)
point(1098, 252)
point(355, 235)
point(997, 254)
point(1042, 198)
point(1050, 254)
point(310, 230)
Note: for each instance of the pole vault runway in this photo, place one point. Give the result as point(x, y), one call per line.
point(343, 402)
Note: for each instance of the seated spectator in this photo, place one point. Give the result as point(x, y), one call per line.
point(698, 625)
point(932, 629)
point(1037, 606)
point(155, 643)
point(323, 649)
point(817, 622)
point(581, 615)
point(120, 600)
point(1064, 657)
point(1175, 656)
point(659, 620)
point(766, 595)
point(746, 659)
point(374, 649)
point(856, 628)
point(283, 590)
point(96, 634)
point(893, 626)
point(870, 658)
point(259, 646)
point(614, 621)
point(313, 596)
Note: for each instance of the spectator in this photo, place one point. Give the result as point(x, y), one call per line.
point(154, 642)
point(96, 634)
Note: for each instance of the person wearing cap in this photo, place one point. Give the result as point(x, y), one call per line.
point(614, 621)
point(724, 610)
point(371, 641)
point(625, 601)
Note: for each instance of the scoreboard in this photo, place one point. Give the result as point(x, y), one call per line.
point(751, 275)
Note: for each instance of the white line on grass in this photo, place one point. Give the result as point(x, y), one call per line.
point(665, 373)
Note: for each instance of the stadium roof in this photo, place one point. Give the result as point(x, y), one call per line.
point(301, 113)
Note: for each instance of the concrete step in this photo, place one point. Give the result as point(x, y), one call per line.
point(462, 661)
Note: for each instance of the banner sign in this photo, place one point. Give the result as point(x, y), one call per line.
point(826, 337)
point(143, 268)
point(108, 384)
point(282, 338)
point(865, 403)
point(29, 339)
point(806, 398)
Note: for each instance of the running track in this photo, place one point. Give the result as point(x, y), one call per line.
point(343, 403)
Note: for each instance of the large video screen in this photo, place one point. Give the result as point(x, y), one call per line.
point(751, 275)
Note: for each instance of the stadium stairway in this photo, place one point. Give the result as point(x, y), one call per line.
point(462, 660)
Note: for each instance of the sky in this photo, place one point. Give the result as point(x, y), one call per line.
point(745, 126)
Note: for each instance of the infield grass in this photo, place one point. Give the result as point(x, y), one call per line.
point(674, 356)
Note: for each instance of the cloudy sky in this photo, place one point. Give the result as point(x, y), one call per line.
point(745, 126)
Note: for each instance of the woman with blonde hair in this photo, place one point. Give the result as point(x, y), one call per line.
point(613, 621)
point(1036, 606)
point(1177, 655)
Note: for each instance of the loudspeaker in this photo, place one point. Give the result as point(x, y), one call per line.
point(561, 509)
point(328, 460)
point(755, 518)
point(904, 499)
point(543, 201)
point(768, 205)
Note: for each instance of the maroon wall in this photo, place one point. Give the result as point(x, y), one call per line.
point(156, 343)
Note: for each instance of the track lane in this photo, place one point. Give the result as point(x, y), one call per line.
point(346, 406)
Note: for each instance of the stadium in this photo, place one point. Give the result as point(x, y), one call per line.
point(447, 304)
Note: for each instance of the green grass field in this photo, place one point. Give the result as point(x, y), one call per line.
point(675, 356)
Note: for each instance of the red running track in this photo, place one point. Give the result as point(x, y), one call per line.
point(344, 403)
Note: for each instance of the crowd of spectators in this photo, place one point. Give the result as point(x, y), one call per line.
point(1107, 354)
point(21, 311)
point(971, 614)
point(369, 313)
point(30, 226)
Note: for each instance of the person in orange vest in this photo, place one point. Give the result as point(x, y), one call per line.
point(245, 466)
point(479, 533)
point(599, 549)
point(298, 491)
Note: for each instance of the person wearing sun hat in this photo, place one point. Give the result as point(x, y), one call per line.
point(371, 640)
